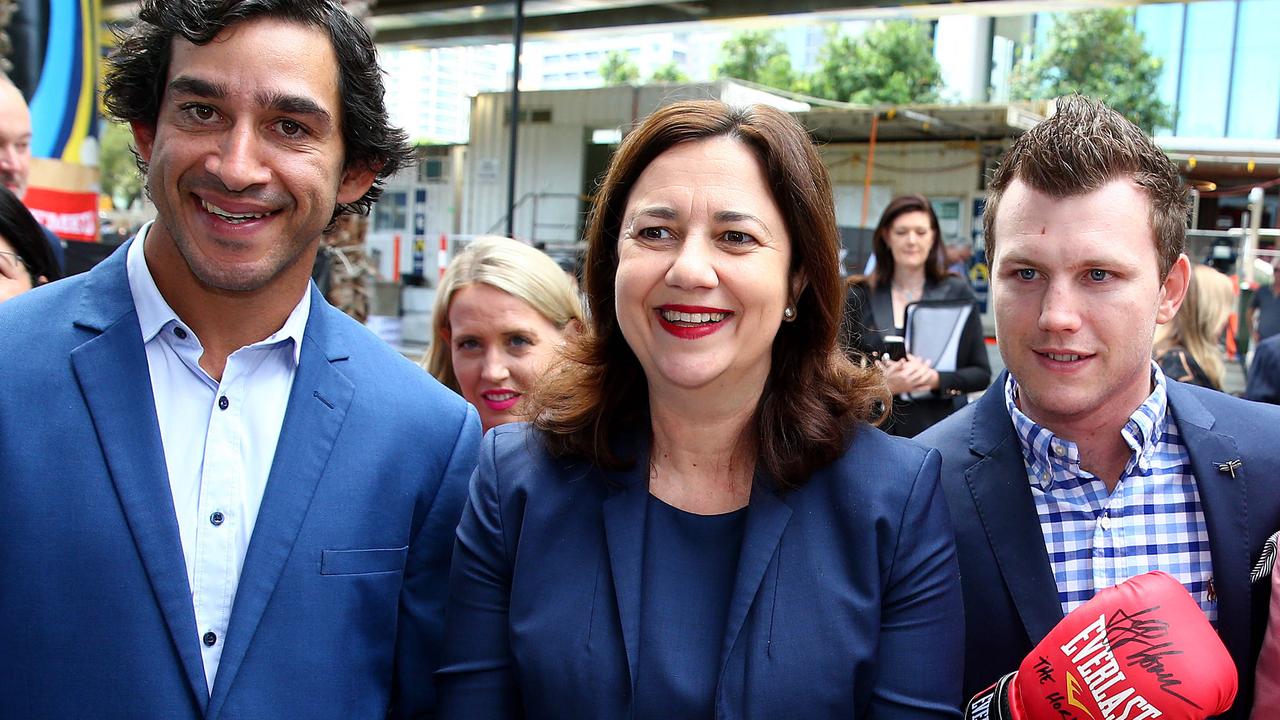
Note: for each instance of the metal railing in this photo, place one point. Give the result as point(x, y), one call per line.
point(542, 231)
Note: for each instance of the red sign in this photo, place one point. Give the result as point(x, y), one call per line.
point(70, 215)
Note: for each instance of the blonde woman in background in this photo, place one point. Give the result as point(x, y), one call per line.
point(502, 313)
point(1187, 348)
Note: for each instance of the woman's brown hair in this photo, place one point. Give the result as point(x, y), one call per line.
point(814, 397)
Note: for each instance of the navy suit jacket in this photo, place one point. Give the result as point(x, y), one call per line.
point(1010, 595)
point(1264, 373)
point(55, 246)
point(339, 609)
point(846, 601)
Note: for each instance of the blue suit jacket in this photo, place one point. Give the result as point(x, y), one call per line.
point(1010, 594)
point(1264, 373)
point(846, 602)
point(340, 603)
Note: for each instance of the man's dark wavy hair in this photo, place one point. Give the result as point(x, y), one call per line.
point(139, 68)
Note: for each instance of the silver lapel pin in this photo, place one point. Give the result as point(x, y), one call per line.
point(1230, 466)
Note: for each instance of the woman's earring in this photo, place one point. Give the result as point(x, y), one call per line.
point(788, 313)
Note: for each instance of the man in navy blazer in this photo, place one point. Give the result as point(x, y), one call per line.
point(1083, 465)
point(224, 498)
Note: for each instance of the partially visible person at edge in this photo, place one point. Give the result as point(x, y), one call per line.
point(1266, 704)
point(908, 249)
point(26, 261)
point(957, 255)
point(1264, 308)
point(1083, 465)
point(700, 521)
point(224, 497)
point(1186, 348)
point(1263, 383)
point(15, 153)
point(502, 314)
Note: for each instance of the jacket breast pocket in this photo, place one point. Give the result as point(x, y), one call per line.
point(363, 562)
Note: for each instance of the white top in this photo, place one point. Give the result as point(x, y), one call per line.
point(219, 441)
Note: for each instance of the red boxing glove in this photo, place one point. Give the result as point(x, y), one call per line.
point(1139, 650)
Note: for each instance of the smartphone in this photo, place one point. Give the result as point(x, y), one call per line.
point(895, 347)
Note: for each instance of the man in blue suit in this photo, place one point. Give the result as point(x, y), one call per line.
point(1083, 465)
point(223, 497)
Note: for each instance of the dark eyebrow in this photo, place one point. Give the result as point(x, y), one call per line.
point(185, 85)
point(728, 216)
point(293, 105)
point(658, 211)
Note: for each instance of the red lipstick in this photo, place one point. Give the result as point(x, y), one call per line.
point(704, 320)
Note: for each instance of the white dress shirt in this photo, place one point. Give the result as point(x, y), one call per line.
point(219, 440)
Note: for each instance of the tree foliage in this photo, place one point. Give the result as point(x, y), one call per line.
point(757, 56)
point(892, 63)
point(669, 73)
point(120, 178)
point(619, 69)
point(1097, 53)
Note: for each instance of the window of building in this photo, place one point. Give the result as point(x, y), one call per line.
point(1206, 65)
point(1255, 87)
point(431, 170)
point(392, 211)
point(1161, 28)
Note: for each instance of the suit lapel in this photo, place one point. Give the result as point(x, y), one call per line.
point(624, 517)
point(1002, 498)
point(318, 405)
point(112, 372)
point(882, 310)
point(767, 517)
point(1224, 499)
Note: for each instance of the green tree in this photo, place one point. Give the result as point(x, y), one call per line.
point(1097, 53)
point(669, 73)
point(618, 69)
point(121, 180)
point(757, 56)
point(892, 62)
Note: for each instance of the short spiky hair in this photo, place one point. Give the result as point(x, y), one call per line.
point(139, 68)
point(1082, 147)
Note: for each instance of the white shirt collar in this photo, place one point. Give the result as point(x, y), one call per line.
point(154, 313)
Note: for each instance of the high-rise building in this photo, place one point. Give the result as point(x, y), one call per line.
point(1221, 71)
point(429, 90)
point(1220, 74)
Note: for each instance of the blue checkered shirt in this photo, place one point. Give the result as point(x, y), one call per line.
point(1153, 520)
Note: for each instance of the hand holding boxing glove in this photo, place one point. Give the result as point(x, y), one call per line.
point(1142, 649)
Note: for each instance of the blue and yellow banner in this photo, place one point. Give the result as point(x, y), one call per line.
point(56, 65)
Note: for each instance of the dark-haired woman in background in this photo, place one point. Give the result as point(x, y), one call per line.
point(25, 258)
point(700, 522)
point(910, 267)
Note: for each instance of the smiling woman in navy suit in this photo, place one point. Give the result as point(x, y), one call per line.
point(700, 522)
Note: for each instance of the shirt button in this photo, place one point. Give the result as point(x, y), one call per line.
point(217, 517)
point(1059, 450)
point(182, 334)
point(210, 639)
point(1104, 521)
point(223, 403)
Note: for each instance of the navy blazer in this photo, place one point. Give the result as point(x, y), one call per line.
point(1010, 594)
point(1264, 373)
point(846, 602)
point(339, 609)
